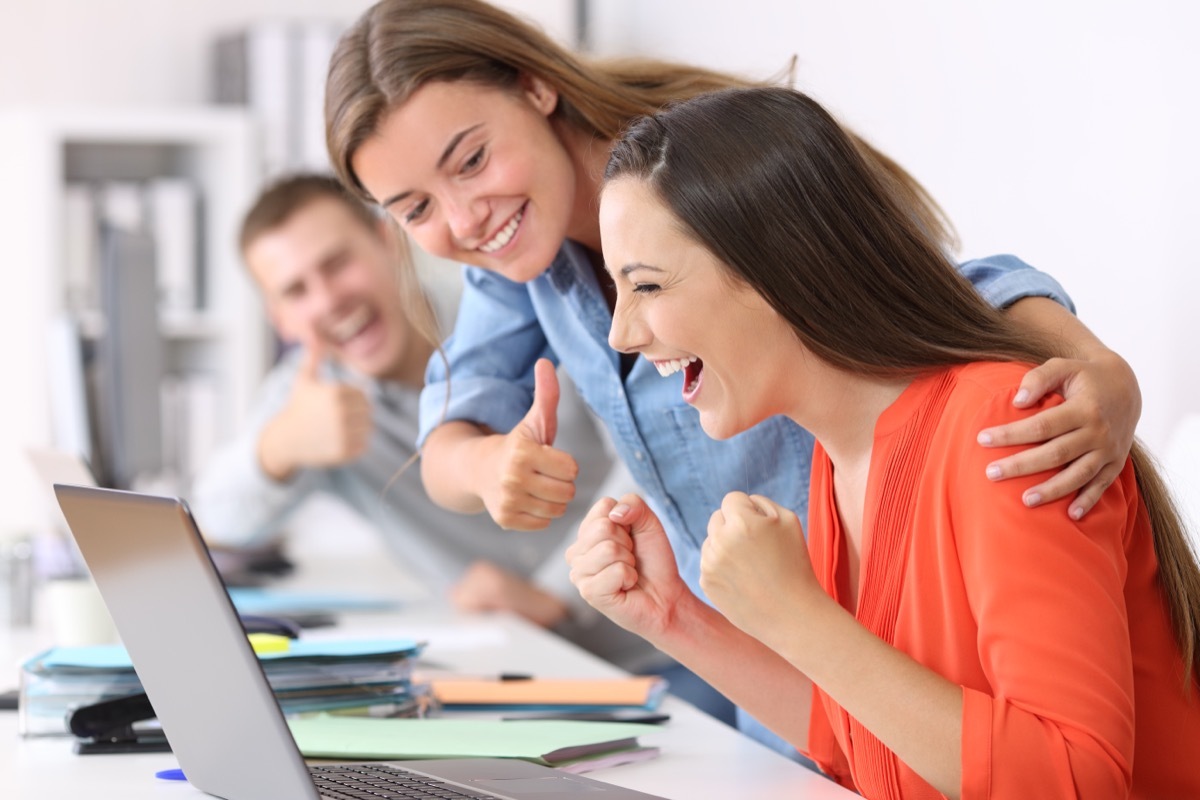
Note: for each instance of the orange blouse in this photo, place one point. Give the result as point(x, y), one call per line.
point(1052, 627)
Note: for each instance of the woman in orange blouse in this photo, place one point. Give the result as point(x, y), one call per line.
point(935, 637)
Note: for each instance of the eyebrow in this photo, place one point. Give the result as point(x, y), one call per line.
point(636, 265)
point(454, 142)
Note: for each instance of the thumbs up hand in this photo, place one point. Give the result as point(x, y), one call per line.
point(541, 423)
point(324, 424)
point(531, 482)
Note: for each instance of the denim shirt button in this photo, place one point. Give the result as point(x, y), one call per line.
point(639, 455)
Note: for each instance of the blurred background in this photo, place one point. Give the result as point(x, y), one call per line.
point(138, 131)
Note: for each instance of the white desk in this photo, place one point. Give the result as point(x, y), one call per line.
point(701, 758)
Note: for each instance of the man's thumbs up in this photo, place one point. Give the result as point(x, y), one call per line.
point(310, 362)
point(324, 424)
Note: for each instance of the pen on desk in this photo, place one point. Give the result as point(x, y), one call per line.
point(504, 677)
point(433, 671)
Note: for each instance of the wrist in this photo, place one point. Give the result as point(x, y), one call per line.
point(274, 457)
point(691, 623)
point(479, 459)
point(451, 466)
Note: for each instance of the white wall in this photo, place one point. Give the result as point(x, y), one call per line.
point(120, 52)
point(1063, 132)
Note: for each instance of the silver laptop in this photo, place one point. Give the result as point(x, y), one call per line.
point(208, 688)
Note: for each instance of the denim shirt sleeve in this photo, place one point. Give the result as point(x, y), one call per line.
point(1004, 279)
point(497, 339)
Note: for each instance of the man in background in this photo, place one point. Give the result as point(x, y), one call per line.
point(338, 414)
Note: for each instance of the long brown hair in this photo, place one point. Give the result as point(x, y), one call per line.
point(397, 46)
point(769, 182)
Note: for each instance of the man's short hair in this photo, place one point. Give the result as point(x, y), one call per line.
point(285, 196)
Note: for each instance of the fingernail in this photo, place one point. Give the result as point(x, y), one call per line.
point(619, 510)
point(1076, 513)
point(1022, 396)
point(984, 438)
point(1032, 499)
point(994, 472)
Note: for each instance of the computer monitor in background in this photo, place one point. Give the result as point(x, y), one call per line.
point(128, 364)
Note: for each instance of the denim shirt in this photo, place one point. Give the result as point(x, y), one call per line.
point(504, 327)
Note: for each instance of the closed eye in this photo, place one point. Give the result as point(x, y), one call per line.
point(474, 161)
point(415, 212)
point(646, 288)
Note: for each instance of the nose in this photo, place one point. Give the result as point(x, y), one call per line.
point(628, 334)
point(322, 296)
point(465, 218)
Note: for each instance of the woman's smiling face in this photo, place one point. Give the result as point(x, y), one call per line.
point(475, 174)
point(680, 307)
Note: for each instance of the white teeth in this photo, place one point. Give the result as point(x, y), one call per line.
point(668, 368)
point(350, 326)
point(506, 233)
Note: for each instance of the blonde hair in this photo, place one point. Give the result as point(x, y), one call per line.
point(397, 46)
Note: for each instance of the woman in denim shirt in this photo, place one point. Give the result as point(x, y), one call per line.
point(486, 142)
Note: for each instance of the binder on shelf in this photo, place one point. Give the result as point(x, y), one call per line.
point(81, 247)
point(173, 214)
point(317, 42)
point(122, 205)
point(191, 410)
point(277, 68)
point(167, 209)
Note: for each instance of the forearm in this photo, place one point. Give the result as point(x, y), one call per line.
point(750, 674)
point(1058, 327)
point(274, 451)
point(452, 459)
point(911, 709)
point(236, 503)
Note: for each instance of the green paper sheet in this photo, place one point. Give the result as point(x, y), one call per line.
point(544, 741)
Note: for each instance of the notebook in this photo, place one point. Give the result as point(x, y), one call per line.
point(207, 686)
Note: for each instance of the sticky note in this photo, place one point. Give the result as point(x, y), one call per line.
point(269, 643)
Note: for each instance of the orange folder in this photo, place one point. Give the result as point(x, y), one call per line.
point(639, 691)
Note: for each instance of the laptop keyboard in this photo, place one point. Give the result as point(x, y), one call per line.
point(376, 781)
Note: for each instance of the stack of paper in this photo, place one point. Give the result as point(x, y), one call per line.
point(373, 675)
point(575, 746)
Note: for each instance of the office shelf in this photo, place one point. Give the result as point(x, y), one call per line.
point(224, 337)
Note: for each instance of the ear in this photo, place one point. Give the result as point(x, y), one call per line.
point(541, 94)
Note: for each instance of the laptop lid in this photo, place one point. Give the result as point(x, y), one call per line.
point(187, 644)
point(207, 686)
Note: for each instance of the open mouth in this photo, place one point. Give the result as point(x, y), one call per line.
point(692, 368)
point(357, 333)
point(350, 326)
point(691, 377)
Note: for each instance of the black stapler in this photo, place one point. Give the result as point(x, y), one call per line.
point(111, 726)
